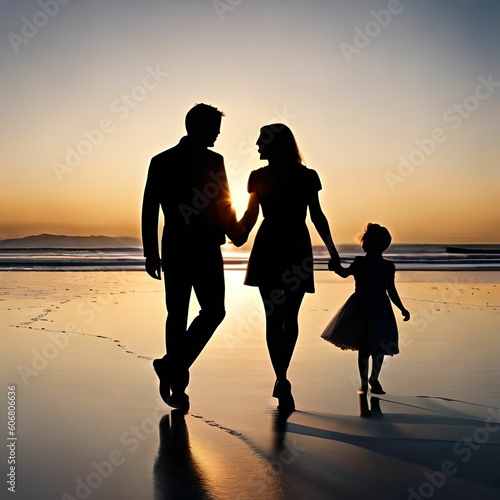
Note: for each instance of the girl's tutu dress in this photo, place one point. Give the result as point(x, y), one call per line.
point(367, 320)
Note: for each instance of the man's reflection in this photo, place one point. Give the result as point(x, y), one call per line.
point(176, 473)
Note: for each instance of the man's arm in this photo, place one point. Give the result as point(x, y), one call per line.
point(150, 213)
point(221, 212)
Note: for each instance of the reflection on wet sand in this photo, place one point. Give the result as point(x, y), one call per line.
point(368, 410)
point(176, 473)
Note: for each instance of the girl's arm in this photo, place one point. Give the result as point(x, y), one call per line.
point(345, 272)
point(321, 224)
point(394, 296)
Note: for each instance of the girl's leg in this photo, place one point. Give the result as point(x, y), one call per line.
point(377, 361)
point(363, 357)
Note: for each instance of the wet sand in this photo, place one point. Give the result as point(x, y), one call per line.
point(89, 423)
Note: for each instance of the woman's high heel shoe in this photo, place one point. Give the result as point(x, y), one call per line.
point(283, 391)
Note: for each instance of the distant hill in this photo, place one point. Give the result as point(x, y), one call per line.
point(63, 241)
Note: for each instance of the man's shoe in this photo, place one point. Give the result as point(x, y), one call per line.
point(161, 368)
point(179, 401)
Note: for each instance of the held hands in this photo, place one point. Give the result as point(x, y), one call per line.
point(241, 238)
point(239, 234)
point(334, 264)
point(406, 314)
point(153, 267)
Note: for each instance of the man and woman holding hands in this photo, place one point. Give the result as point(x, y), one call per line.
point(189, 183)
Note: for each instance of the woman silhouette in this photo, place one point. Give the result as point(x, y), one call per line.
point(281, 262)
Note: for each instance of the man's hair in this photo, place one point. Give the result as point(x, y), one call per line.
point(202, 116)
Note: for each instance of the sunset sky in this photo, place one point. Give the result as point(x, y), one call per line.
point(396, 104)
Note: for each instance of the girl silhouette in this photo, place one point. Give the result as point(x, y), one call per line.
point(281, 262)
point(366, 322)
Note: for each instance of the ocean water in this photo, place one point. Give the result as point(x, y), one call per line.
point(406, 257)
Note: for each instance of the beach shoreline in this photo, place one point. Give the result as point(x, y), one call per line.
point(416, 257)
point(78, 350)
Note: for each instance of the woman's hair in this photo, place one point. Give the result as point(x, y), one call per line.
point(376, 238)
point(278, 139)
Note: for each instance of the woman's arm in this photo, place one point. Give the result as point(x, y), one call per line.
point(321, 224)
point(250, 216)
point(343, 272)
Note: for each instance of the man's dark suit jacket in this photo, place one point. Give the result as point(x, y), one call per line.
point(189, 182)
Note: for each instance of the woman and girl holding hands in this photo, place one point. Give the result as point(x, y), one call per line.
point(280, 263)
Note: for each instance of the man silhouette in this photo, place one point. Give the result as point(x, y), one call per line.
point(189, 182)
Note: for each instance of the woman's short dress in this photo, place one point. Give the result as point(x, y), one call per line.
point(366, 321)
point(281, 255)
